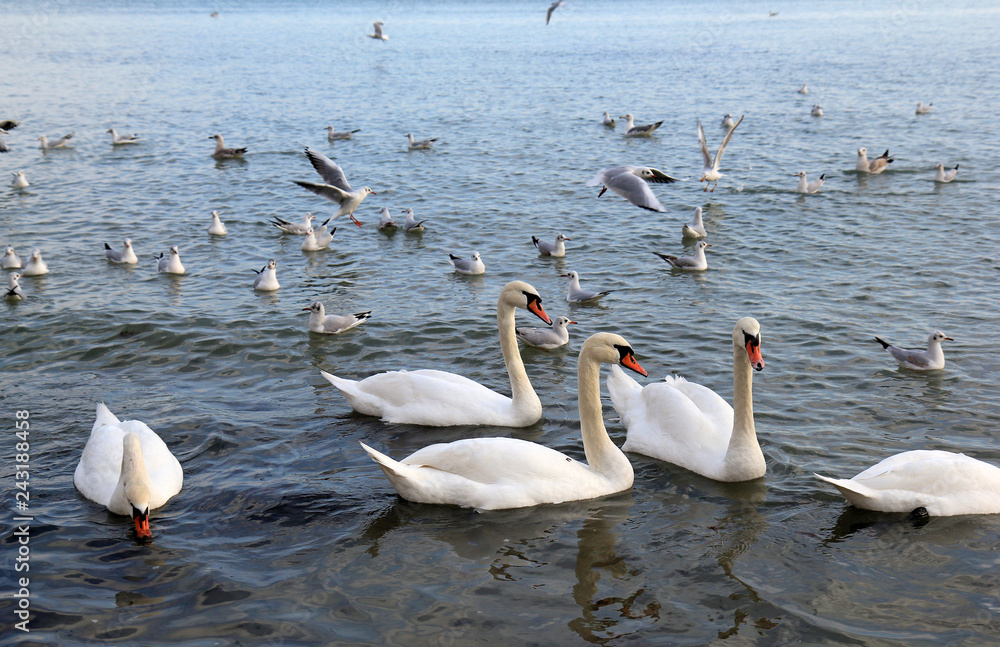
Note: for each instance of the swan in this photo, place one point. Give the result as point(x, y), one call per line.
point(126, 467)
point(441, 399)
point(502, 473)
point(692, 426)
point(944, 483)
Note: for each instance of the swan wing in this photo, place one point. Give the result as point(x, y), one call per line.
point(96, 475)
point(166, 477)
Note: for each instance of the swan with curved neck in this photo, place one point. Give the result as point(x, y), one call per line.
point(690, 425)
point(441, 399)
point(501, 473)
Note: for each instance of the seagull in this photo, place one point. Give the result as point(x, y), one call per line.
point(945, 176)
point(411, 223)
point(332, 135)
point(170, 264)
point(14, 292)
point(695, 228)
point(336, 189)
point(386, 223)
point(326, 324)
point(608, 120)
point(19, 181)
point(378, 35)
point(55, 143)
point(126, 256)
point(547, 338)
point(8, 124)
point(804, 186)
point(874, 167)
point(694, 263)
point(295, 228)
point(920, 360)
point(117, 139)
point(555, 5)
point(223, 153)
point(545, 248)
point(630, 183)
point(638, 131)
point(317, 239)
point(217, 228)
point(922, 109)
point(817, 111)
point(711, 170)
point(727, 121)
point(36, 266)
point(267, 277)
point(577, 294)
point(422, 144)
point(10, 260)
point(3, 144)
point(803, 89)
point(472, 265)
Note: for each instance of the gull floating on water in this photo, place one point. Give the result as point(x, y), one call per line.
point(267, 277)
point(875, 166)
point(336, 189)
point(170, 264)
point(547, 338)
point(727, 121)
point(693, 263)
point(223, 153)
point(117, 139)
point(320, 322)
point(817, 111)
point(472, 265)
point(387, 223)
point(545, 248)
point(217, 228)
point(10, 260)
point(14, 292)
point(945, 176)
point(555, 5)
point(36, 266)
point(608, 120)
point(803, 89)
point(19, 181)
point(378, 35)
point(59, 142)
point(632, 130)
point(421, 144)
point(805, 186)
point(411, 224)
point(630, 183)
point(332, 135)
point(711, 170)
point(922, 109)
point(576, 294)
point(317, 239)
point(695, 228)
point(294, 228)
point(126, 256)
point(920, 360)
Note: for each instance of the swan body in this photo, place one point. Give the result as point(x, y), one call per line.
point(710, 172)
point(692, 426)
point(944, 483)
point(127, 468)
point(267, 277)
point(321, 322)
point(502, 473)
point(126, 256)
point(919, 360)
point(547, 338)
point(695, 228)
point(556, 249)
point(171, 264)
point(874, 166)
point(223, 153)
point(10, 260)
point(440, 399)
point(217, 228)
point(36, 265)
point(945, 176)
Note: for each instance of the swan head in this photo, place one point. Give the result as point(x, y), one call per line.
point(134, 481)
point(609, 348)
point(746, 335)
point(522, 295)
point(937, 337)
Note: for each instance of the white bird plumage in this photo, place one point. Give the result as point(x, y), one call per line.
point(126, 256)
point(922, 109)
point(118, 140)
point(803, 90)
point(547, 338)
point(10, 260)
point(552, 7)
point(14, 291)
point(411, 224)
point(608, 120)
point(320, 322)
point(19, 181)
point(874, 166)
point(817, 111)
point(418, 144)
point(695, 228)
point(645, 130)
point(919, 360)
point(332, 135)
point(335, 187)
point(630, 182)
point(318, 238)
point(222, 153)
point(294, 228)
point(942, 175)
point(171, 263)
point(694, 263)
point(378, 35)
point(387, 223)
point(805, 186)
point(59, 142)
point(472, 265)
point(576, 294)
point(36, 265)
point(217, 228)
point(556, 248)
point(727, 121)
point(267, 277)
point(710, 172)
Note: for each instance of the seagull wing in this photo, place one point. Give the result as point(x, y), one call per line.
point(332, 193)
point(329, 170)
point(634, 189)
point(705, 155)
point(725, 142)
point(659, 177)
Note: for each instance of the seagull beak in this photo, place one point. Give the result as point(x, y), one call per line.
point(306, 309)
point(949, 339)
point(569, 322)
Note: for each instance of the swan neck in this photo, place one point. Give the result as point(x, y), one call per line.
point(521, 392)
point(603, 455)
point(744, 433)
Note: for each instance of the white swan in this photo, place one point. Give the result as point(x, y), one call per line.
point(440, 399)
point(501, 473)
point(692, 426)
point(944, 483)
point(126, 467)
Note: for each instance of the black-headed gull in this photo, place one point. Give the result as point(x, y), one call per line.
point(59, 142)
point(386, 223)
point(14, 292)
point(555, 5)
point(805, 186)
point(294, 228)
point(875, 166)
point(126, 255)
point(332, 135)
point(317, 239)
point(727, 121)
point(630, 183)
point(411, 224)
point(710, 173)
point(943, 175)
point(694, 263)
point(547, 338)
point(631, 130)
point(557, 248)
point(267, 277)
point(922, 109)
point(10, 260)
point(472, 265)
point(419, 144)
point(803, 89)
point(695, 228)
point(920, 360)
point(19, 181)
point(609, 120)
point(378, 35)
point(217, 228)
point(36, 265)
point(223, 153)
point(576, 294)
point(320, 322)
point(336, 189)
point(817, 111)
point(171, 262)
point(117, 140)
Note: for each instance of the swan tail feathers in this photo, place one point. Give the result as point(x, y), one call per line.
point(105, 417)
point(856, 494)
point(359, 399)
point(393, 469)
